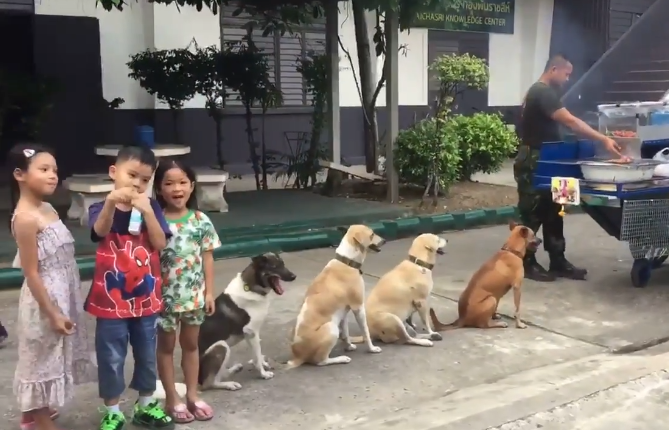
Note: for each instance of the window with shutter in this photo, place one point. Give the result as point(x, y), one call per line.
point(283, 53)
point(17, 5)
point(292, 87)
point(314, 42)
point(437, 48)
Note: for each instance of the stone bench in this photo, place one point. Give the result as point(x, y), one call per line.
point(86, 190)
point(210, 189)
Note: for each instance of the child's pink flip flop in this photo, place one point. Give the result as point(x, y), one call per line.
point(31, 424)
point(201, 410)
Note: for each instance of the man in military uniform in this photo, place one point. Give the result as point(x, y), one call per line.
point(542, 115)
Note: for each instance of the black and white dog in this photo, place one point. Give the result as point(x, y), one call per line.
point(240, 312)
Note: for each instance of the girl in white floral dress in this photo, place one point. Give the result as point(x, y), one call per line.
point(53, 348)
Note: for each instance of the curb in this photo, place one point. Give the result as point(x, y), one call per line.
point(292, 237)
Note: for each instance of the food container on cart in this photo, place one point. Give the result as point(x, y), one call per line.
point(632, 126)
point(606, 171)
point(636, 212)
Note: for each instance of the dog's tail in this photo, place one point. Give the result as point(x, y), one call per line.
point(295, 362)
point(439, 326)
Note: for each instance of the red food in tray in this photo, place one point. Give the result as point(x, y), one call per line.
point(622, 133)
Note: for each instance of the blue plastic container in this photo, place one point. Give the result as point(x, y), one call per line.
point(558, 151)
point(659, 118)
point(552, 157)
point(651, 147)
point(144, 136)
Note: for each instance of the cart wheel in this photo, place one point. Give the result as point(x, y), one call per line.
point(641, 272)
point(657, 262)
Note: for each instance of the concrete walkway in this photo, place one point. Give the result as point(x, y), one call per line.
point(503, 177)
point(473, 379)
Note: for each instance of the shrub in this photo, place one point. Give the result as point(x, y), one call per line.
point(456, 74)
point(484, 142)
point(415, 153)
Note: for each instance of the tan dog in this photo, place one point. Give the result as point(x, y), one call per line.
point(339, 288)
point(402, 292)
point(477, 306)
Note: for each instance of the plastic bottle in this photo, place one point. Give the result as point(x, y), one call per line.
point(135, 225)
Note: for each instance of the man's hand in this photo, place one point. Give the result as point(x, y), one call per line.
point(612, 146)
point(142, 203)
point(121, 195)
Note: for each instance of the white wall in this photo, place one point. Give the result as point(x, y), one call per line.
point(412, 67)
point(517, 60)
point(140, 26)
point(144, 25)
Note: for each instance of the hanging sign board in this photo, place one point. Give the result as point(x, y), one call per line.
point(483, 16)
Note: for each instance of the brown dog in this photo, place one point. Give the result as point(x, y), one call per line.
point(477, 306)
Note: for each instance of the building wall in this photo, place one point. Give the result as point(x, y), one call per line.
point(144, 25)
point(517, 60)
point(623, 14)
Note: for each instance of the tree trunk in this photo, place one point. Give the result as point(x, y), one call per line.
point(219, 140)
point(176, 115)
point(367, 84)
point(263, 155)
point(252, 148)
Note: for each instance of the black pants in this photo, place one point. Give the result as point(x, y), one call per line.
point(537, 209)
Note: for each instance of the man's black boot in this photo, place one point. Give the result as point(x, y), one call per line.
point(535, 271)
point(560, 267)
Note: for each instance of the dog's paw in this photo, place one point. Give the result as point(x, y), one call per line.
point(350, 347)
point(496, 316)
point(228, 385)
point(374, 349)
point(436, 336)
point(237, 367)
point(521, 325)
point(265, 364)
point(501, 324)
point(423, 342)
point(266, 374)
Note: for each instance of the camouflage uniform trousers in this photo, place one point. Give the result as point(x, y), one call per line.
point(536, 207)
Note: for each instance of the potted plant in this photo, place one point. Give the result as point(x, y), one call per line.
point(247, 72)
point(208, 71)
point(166, 75)
point(315, 71)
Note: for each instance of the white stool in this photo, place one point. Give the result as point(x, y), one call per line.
point(210, 184)
point(85, 191)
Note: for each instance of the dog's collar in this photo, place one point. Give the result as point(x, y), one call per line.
point(513, 251)
point(421, 263)
point(247, 288)
point(350, 263)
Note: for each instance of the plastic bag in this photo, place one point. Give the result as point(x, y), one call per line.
point(662, 169)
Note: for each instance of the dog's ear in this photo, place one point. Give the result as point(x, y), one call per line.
point(259, 259)
point(524, 232)
point(512, 224)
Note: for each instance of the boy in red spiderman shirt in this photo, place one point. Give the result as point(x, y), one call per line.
point(125, 295)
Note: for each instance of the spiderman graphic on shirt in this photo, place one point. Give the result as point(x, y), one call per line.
point(126, 280)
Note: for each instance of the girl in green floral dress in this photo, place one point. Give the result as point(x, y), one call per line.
point(188, 271)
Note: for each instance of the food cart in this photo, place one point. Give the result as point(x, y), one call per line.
point(623, 197)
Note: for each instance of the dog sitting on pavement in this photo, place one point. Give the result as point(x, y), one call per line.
point(477, 306)
point(338, 289)
point(240, 312)
point(402, 292)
